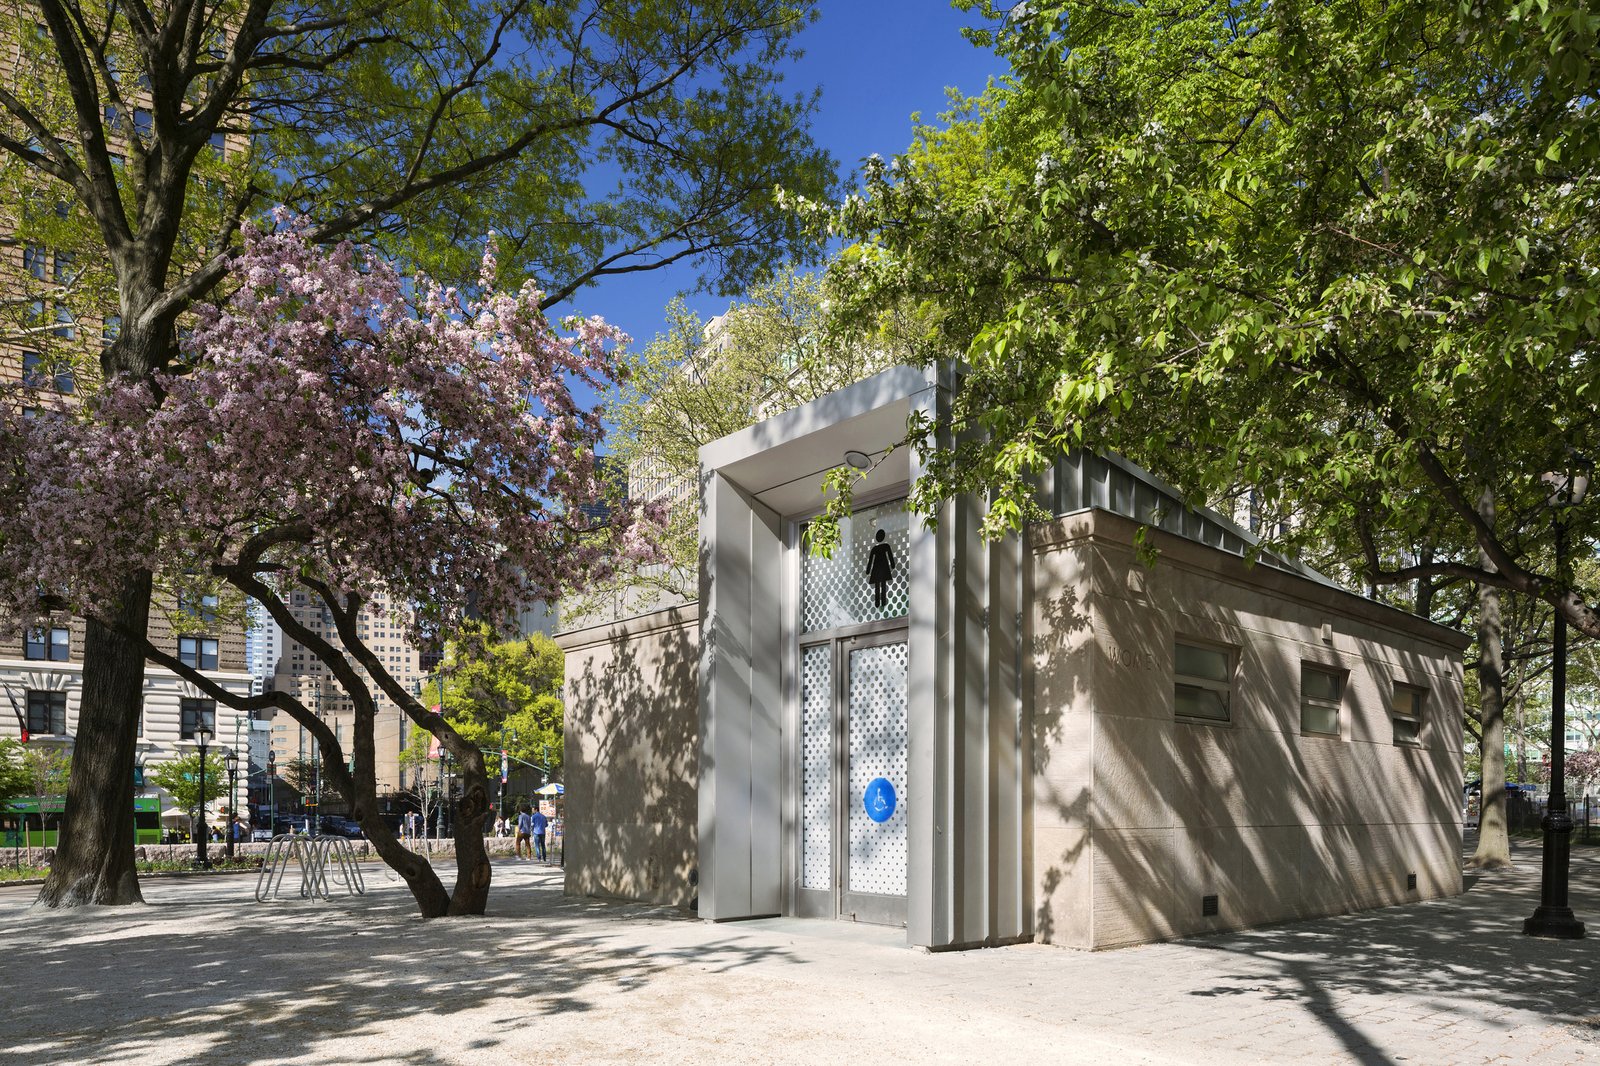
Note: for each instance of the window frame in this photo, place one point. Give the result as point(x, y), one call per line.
point(196, 657)
point(43, 639)
point(1339, 674)
point(53, 701)
point(1205, 683)
point(192, 711)
point(203, 609)
point(1418, 718)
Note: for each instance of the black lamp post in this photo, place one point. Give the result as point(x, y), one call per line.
point(231, 761)
point(1553, 917)
point(202, 733)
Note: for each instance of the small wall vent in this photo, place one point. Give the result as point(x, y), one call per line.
point(1411, 882)
point(1208, 906)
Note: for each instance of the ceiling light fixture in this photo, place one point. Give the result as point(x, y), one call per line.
point(857, 459)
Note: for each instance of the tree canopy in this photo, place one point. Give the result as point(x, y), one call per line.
point(779, 346)
point(181, 779)
point(15, 778)
point(338, 433)
point(1341, 253)
point(600, 137)
point(507, 691)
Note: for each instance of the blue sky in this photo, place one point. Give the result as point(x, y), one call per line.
point(876, 61)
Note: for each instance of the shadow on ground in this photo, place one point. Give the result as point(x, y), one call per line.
point(1457, 954)
point(263, 983)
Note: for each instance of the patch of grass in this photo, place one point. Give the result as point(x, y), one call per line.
point(1536, 836)
point(22, 873)
point(245, 862)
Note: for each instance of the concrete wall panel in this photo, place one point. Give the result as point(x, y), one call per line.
point(632, 759)
point(1277, 822)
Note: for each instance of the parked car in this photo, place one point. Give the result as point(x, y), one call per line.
point(260, 833)
point(334, 825)
point(285, 825)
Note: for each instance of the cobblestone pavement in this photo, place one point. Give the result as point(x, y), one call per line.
point(203, 974)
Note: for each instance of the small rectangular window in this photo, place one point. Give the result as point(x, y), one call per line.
point(1321, 692)
point(1405, 710)
point(193, 714)
point(198, 652)
point(1202, 681)
point(33, 375)
point(37, 374)
point(142, 122)
point(47, 712)
point(33, 260)
point(54, 644)
point(202, 609)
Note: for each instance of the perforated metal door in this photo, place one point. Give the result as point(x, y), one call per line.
point(876, 779)
point(816, 767)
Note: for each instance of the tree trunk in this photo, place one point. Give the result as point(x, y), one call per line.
point(471, 895)
point(1494, 844)
point(425, 886)
point(1425, 586)
point(94, 862)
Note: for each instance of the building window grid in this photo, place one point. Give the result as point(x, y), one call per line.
point(1202, 681)
point(1321, 695)
point(1405, 712)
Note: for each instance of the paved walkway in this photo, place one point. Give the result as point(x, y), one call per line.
point(205, 975)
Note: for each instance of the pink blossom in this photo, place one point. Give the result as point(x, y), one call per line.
point(429, 448)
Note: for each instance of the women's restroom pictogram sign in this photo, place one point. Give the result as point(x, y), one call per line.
point(880, 568)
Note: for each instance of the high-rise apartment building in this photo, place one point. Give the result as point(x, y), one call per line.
point(307, 678)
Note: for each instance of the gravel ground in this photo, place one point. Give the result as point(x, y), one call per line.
point(204, 974)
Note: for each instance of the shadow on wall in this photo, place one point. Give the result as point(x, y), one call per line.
point(1061, 801)
point(1156, 815)
point(632, 725)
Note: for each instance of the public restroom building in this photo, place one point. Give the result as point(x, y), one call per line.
point(1040, 738)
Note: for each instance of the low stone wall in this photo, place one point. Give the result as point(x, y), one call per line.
point(498, 847)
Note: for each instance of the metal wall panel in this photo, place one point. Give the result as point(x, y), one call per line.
point(741, 757)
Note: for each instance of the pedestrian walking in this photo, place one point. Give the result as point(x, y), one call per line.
point(524, 833)
point(540, 824)
point(499, 824)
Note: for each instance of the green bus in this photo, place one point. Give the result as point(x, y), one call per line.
point(33, 821)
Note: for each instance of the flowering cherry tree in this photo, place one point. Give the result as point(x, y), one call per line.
point(339, 430)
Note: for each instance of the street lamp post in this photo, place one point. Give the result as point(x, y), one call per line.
point(231, 761)
point(1553, 917)
point(202, 733)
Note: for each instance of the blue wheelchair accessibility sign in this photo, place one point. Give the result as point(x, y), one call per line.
point(879, 800)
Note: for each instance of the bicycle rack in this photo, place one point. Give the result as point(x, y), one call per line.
point(325, 864)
